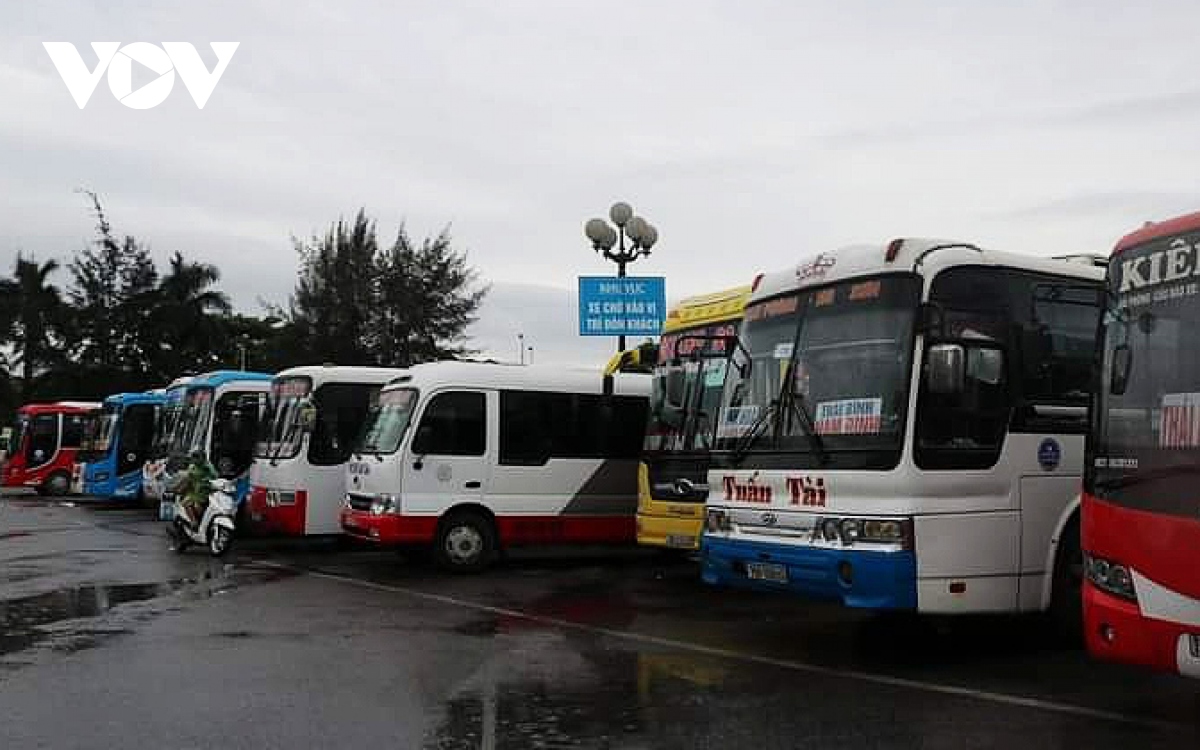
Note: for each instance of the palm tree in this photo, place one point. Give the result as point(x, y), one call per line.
point(189, 314)
point(30, 307)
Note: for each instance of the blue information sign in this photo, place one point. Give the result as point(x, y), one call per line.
point(610, 306)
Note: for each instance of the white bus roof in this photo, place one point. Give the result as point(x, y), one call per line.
point(320, 374)
point(518, 377)
point(180, 382)
point(926, 257)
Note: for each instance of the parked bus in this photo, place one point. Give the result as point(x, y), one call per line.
point(1141, 505)
point(44, 446)
point(117, 443)
point(497, 456)
point(155, 467)
point(673, 475)
point(219, 417)
point(903, 428)
point(314, 415)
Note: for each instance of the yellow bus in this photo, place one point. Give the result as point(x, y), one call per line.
point(672, 478)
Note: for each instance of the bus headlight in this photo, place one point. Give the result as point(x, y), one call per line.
point(385, 504)
point(716, 520)
point(1109, 576)
point(849, 531)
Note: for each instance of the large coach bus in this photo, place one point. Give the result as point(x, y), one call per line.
point(903, 428)
point(155, 467)
point(45, 444)
point(1141, 505)
point(219, 417)
point(117, 443)
point(673, 475)
point(314, 414)
point(472, 458)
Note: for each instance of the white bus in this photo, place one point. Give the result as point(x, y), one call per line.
point(472, 458)
point(155, 467)
point(903, 428)
point(314, 415)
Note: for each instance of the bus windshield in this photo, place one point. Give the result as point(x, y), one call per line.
point(164, 432)
point(97, 433)
point(846, 349)
point(281, 426)
point(191, 430)
point(1145, 450)
point(703, 364)
point(387, 422)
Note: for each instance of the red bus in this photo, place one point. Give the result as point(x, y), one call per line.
point(1141, 502)
point(44, 445)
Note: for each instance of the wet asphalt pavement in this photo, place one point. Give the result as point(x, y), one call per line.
point(108, 639)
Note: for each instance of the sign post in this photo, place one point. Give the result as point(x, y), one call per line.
point(622, 306)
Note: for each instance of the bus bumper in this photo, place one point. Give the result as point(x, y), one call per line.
point(388, 528)
point(673, 532)
point(876, 580)
point(1116, 630)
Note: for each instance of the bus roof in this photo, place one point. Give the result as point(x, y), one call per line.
point(125, 399)
point(221, 377)
point(180, 382)
point(706, 309)
point(60, 407)
point(518, 377)
point(924, 256)
point(1152, 230)
point(321, 374)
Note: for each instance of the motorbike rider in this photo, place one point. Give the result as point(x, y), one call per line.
point(195, 486)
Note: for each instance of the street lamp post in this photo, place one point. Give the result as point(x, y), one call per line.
point(633, 238)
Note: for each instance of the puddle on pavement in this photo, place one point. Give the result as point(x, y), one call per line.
point(31, 620)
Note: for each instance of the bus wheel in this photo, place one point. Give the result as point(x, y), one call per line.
point(57, 483)
point(1066, 599)
point(466, 542)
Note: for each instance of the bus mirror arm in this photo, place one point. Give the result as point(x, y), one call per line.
point(931, 319)
point(419, 463)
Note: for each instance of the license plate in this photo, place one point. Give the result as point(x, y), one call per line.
point(681, 541)
point(766, 572)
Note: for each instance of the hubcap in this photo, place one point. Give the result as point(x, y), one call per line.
point(464, 544)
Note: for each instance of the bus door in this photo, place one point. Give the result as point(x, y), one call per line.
point(234, 432)
point(136, 437)
point(448, 461)
point(42, 444)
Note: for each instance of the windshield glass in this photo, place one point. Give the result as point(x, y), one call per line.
point(385, 425)
point(1145, 449)
point(164, 431)
point(191, 429)
point(97, 433)
point(703, 365)
point(281, 428)
point(848, 349)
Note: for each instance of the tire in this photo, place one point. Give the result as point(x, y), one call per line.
point(57, 484)
point(465, 542)
point(1066, 598)
point(220, 541)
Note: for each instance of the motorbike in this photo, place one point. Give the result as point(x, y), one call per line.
point(215, 528)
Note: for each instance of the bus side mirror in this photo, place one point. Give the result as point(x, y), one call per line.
point(308, 415)
point(946, 368)
point(1118, 377)
point(675, 381)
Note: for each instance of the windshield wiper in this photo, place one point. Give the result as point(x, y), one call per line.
point(753, 433)
point(799, 409)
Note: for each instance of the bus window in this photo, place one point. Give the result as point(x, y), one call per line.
point(341, 410)
point(235, 426)
point(454, 424)
point(43, 439)
point(536, 426)
point(73, 430)
point(137, 435)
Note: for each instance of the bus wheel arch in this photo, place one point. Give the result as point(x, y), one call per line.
point(1066, 578)
point(467, 539)
point(58, 483)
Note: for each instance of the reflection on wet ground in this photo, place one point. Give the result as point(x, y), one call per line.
point(28, 621)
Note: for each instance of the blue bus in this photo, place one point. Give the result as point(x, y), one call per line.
point(219, 415)
point(117, 443)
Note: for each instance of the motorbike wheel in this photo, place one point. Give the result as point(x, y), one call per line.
point(219, 541)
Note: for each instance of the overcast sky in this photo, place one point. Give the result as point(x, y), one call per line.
point(750, 133)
